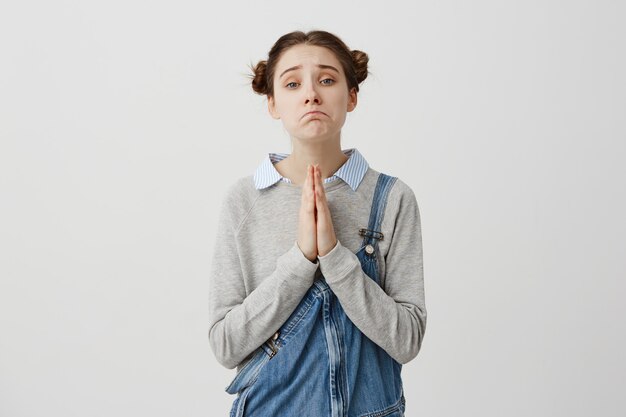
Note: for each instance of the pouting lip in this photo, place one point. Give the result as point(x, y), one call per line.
point(314, 112)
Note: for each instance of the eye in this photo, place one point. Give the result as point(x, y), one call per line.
point(329, 79)
point(293, 82)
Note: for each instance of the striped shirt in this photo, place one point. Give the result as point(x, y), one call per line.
point(352, 171)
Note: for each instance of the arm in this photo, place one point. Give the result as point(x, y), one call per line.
point(238, 322)
point(393, 318)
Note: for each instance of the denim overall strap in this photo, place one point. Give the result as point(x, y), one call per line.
point(372, 234)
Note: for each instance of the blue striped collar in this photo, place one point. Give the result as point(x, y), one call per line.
point(352, 171)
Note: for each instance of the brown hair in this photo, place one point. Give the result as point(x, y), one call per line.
point(354, 62)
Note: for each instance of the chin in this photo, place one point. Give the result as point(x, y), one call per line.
point(319, 136)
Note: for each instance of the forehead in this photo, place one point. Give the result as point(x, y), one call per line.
point(307, 56)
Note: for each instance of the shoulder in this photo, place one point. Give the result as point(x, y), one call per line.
point(241, 189)
point(238, 198)
point(400, 192)
point(401, 201)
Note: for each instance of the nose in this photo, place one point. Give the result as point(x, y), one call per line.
point(311, 94)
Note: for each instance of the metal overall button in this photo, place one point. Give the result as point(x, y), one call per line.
point(369, 249)
point(273, 344)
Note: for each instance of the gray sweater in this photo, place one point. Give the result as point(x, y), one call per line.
point(259, 274)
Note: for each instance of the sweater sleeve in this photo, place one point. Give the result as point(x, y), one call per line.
point(394, 317)
point(240, 322)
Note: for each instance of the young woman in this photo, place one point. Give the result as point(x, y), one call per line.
point(316, 290)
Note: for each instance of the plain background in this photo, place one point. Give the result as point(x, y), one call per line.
point(123, 122)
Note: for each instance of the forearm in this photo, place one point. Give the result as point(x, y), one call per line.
point(240, 324)
point(396, 325)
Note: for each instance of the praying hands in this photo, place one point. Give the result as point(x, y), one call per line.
point(316, 235)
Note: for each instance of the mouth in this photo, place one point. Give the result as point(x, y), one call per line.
point(314, 113)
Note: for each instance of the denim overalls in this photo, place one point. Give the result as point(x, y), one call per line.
point(319, 364)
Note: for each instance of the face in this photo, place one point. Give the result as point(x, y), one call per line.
point(311, 78)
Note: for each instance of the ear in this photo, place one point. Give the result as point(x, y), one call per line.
point(352, 99)
point(271, 107)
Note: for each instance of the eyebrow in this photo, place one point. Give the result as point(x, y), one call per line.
point(322, 66)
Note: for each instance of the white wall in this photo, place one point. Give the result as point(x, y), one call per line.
point(117, 118)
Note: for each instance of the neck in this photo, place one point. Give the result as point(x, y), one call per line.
point(326, 153)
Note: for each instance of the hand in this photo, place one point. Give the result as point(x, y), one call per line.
point(307, 235)
point(326, 239)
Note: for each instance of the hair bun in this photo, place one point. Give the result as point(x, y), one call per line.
point(360, 60)
point(259, 78)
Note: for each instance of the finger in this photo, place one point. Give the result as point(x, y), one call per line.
point(304, 188)
point(314, 188)
point(311, 188)
point(318, 177)
point(311, 183)
point(320, 197)
point(307, 198)
point(316, 183)
point(320, 192)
